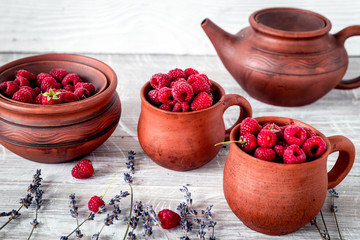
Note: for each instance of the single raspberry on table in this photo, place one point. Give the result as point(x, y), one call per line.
point(182, 91)
point(83, 169)
point(166, 107)
point(199, 84)
point(21, 81)
point(89, 86)
point(49, 82)
point(58, 73)
point(168, 218)
point(177, 73)
point(183, 106)
point(26, 74)
point(294, 154)
point(71, 78)
point(9, 88)
point(247, 142)
point(95, 203)
point(41, 77)
point(314, 147)
point(153, 97)
point(190, 71)
point(160, 80)
point(51, 96)
point(165, 96)
point(249, 125)
point(23, 95)
point(266, 154)
point(201, 101)
point(275, 128)
point(294, 134)
point(266, 138)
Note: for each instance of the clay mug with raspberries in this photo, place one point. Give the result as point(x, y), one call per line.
point(277, 198)
point(183, 141)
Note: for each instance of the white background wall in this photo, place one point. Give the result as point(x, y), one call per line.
point(142, 26)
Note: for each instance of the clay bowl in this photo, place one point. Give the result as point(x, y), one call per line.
point(277, 198)
point(61, 132)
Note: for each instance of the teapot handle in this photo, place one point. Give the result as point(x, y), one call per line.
point(341, 37)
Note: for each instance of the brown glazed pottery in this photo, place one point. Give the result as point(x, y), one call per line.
point(60, 132)
point(183, 141)
point(286, 57)
point(278, 198)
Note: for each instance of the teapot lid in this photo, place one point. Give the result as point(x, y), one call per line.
point(290, 22)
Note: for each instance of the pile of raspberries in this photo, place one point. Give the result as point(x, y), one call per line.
point(57, 86)
point(180, 90)
point(286, 144)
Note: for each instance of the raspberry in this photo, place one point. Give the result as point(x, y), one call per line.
point(184, 106)
point(83, 169)
point(95, 203)
point(266, 138)
point(199, 84)
point(266, 154)
point(26, 74)
point(165, 96)
point(58, 73)
point(314, 147)
point(274, 128)
point(71, 78)
point(177, 73)
point(294, 154)
point(249, 125)
point(9, 88)
point(280, 147)
point(33, 93)
point(69, 97)
point(160, 80)
point(82, 93)
point(23, 95)
point(309, 133)
point(89, 86)
point(51, 97)
point(177, 80)
point(168, 218)
point(49, 82)
point(182, 91)
point(21, 81)
point(165, 107)
point(247, 142)
point(38, 99)
point(201, 101)
point(190, 71)
point(40, 77)
point(153, 97)
point(37, 90)
point(294, 135)
point(69, 88)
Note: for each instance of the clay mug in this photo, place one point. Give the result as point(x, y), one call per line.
point(278, 198)
point(286, 57)
point(183, 141)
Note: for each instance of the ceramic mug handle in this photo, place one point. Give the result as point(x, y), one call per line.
point(245, 109)
point(341, 37)
point(345, 159)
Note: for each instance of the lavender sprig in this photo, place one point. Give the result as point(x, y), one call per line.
point(38, 202)
point(208, 215)
point(128, 179)
point(26, 201)
point(334, 209)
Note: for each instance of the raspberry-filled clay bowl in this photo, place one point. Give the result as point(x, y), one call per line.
point(277, 198)
point(60, 132)
point(183, 141)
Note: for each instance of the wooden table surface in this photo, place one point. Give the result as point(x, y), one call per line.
point(337, 113)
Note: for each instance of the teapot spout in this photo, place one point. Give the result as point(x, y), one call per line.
point(223, 42)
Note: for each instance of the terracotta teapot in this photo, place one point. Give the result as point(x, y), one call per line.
point(277, 198)
point(286, 57)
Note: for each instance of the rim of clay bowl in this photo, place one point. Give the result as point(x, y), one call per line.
point(214, 85)
point(263, 21)
point(281, 121)
point(97, 65)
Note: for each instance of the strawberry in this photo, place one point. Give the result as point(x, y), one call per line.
point(83, 169)
point(95, 203)
point(168, 218)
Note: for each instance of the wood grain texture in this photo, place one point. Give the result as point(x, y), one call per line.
point(337, 113)
point(119, 26)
